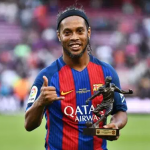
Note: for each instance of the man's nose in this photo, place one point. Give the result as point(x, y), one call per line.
point(74, 36)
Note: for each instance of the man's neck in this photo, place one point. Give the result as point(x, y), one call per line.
point(77, 63)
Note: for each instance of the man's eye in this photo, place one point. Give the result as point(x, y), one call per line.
point(67, 33)
point(80, 31)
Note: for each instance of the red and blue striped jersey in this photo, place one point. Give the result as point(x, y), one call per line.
point(67, 118)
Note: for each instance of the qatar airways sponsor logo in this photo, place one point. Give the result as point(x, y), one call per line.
point(81, 113)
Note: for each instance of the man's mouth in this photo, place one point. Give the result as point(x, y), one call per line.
point(75, 46)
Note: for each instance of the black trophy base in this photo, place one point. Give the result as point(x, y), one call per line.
point(101, 132)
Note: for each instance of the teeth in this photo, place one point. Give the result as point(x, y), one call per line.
point(75, 46)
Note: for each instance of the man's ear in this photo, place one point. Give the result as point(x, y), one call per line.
point(89, 32)
point(58, 35)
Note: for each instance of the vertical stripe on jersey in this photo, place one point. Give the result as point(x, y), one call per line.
point(48, 130)
point(82, 86)
point(68, 107)
point(96, 77)
point(55, 113)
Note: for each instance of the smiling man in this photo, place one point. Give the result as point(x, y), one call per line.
point(60, 90)
point(74, 36)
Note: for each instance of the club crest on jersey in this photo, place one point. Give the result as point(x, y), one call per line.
point(96, 86)
point(33, 94)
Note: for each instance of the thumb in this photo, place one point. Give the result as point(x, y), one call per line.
point(106, 126)
point(45, 81)
point(111, 126)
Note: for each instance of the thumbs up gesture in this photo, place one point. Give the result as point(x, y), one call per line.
point(45, 81)
point(48, 93)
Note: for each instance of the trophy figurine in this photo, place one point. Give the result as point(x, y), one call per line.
point(107, 91)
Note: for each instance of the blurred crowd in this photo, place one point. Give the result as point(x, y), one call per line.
point(28, 42)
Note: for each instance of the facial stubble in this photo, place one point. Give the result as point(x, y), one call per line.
point(76, 55)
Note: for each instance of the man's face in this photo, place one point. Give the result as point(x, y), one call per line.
point(74, 36)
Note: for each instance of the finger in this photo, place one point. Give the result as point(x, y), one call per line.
point(45, 81)
point(59, 98)
point(54, 97)
point(51, 88)
point(50, 96)
point(106, 126)
point(106, 138)
point(111, 126)
point(48, 89)
point(109, 138)
point(50, 93)
point(117, 137)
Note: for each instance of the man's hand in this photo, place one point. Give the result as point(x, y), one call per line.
point(34, 115)
point(48, 94)
point(111, 126)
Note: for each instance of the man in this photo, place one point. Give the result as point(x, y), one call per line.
point(60, 91)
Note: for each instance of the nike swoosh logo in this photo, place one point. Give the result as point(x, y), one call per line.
point(65, 93)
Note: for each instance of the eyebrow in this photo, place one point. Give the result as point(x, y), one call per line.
point(66, 29)
point(71, 29)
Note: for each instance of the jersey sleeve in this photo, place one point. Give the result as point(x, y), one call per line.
point(119, 99)
point(35, 89)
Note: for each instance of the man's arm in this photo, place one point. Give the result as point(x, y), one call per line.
point(34, 115)
point(118, 121)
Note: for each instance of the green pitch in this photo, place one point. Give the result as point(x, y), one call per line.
point(135, 136)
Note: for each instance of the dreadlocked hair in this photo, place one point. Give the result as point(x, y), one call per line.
point(80, 8)
point(73, 7)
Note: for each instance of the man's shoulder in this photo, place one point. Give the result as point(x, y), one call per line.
point(52, 67)
point(107, 68)
point(101, 63)
point(49, 70)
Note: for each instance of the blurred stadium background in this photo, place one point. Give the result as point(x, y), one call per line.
point(28, 42)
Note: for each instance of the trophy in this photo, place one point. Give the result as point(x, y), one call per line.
point(107, 91)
